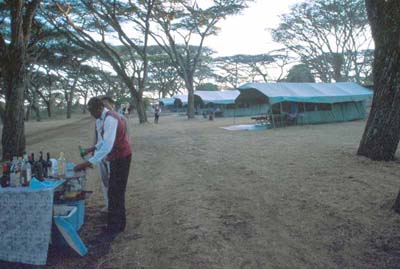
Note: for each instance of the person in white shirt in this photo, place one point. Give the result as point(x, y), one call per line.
point(115, 147)
point(157, 111)
point(104, 165)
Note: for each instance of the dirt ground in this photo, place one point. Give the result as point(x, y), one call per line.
point(199, 196)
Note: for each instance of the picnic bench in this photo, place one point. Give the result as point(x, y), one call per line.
point(261, 119)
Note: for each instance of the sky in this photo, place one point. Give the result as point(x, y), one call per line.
point(247, 33)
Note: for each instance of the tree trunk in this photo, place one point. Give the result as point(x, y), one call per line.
point(382, 132)
point(37, 112)
point(13, 60)
point(141, 110)
point(84, 102)
point(35, 106)
point(28, 112)
point(13, 137)
point(190, 106)
point(337, 64)
point(2, 112)
point(69, 104)
point(396, 206)
point(48, 108)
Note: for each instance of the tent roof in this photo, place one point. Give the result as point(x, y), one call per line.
point(167, 101)
point(218, 97)
point(310, 92)
point(182, 97)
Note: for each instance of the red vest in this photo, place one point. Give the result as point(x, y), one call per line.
point(122, 144)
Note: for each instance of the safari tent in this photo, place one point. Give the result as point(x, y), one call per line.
point(166, 103)
point(304, 102)
point(221, 101)
point(180, 102)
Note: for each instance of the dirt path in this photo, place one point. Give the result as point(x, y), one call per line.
point(203, 197)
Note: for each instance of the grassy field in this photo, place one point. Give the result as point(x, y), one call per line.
point(200, 196)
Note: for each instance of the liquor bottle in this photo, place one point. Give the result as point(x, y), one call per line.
point(39, 170)
point(19, 172)
point(61, 162)
point(40, 156)
point(9, 157)
point(48, 165)
point(32, 159)
point(5, 179)
point(13, 174)
point(24, 181)
point(28, 173)
point(44, 165)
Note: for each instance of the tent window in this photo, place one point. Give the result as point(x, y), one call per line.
point(286, 107)
point(324, 107)
point(276, 109)
point(310, 107)
point(243, 105)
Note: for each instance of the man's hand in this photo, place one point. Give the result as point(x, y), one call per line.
point(82, 166)
point(89, 150)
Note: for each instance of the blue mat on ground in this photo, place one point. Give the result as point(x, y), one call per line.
point(249, 127)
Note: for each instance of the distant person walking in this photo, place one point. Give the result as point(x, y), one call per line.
point(129, 110)
point(157, 111)
point(121, 110)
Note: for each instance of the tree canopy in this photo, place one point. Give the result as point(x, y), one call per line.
point(299, 73)
point(331, 37)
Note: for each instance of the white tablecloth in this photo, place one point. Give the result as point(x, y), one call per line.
point(25, 224)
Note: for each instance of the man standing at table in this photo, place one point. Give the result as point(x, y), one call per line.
point(104, 165)
point(115, 147)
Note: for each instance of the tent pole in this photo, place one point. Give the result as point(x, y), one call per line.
point(304, 107)
point(280, 112)
point(341, 111)
point(272, 115)
point(234, 115)
point(358, 111)
point(333, 113)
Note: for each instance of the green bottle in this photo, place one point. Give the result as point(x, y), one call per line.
point(82, 152)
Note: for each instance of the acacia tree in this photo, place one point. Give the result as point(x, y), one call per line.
point(237, 69)
point(299, 73)
point(162, 77)
point(185, 24)
point(207, 87)
point(331, 37)
point(125, 51)
point(382, 132)
point(94, 81)
point(15, 42)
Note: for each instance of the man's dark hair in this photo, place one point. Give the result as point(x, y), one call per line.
point(107, 98)
point(95, 103)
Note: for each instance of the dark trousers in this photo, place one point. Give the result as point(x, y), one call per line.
point(119, 172)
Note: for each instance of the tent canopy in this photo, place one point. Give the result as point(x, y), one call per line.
point(218, 97)
point(310, 92)
point(167, 101)
point(215, 97)
point(182, 97)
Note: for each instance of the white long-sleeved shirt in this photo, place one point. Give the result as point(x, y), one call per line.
point(104, 143)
